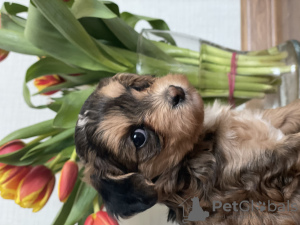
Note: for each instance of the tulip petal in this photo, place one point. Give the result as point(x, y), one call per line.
point(10, 185)
point(67, 180)
point(3, 54)
point(44, 196)
point(9, 172)
point(102, 218)
point(47, 81)
point(90, 219)
point(11, 146)
point(2, 165)
point(5, 170)
point(33, 184)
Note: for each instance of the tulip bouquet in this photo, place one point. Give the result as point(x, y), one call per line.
point(78, 42)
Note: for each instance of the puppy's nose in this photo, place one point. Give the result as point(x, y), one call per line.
point(175, 95)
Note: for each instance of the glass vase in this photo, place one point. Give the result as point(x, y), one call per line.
point(253, 79)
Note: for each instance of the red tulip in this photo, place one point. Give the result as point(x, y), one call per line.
point(47, 81)
point(67, 180)
point(3, 54)
point(10, 178)
point(35, 189)
point(10, 147)
point(100, 218)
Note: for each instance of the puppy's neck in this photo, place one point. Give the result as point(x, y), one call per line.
point(197, 173)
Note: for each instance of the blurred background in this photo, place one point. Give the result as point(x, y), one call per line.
point(236, 24)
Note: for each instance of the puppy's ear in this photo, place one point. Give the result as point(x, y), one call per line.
point(138, 82)
point(126, 195)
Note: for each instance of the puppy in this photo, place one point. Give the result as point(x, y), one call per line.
point(147, 140)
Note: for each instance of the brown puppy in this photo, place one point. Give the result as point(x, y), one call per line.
point(147, 140)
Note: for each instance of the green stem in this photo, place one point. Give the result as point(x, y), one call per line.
point(227, 61)
point(176, 51)
point(54, 161)
point(96, 204)
point(238, 78)
point(219, 84)
point(74, 155)
point(277, 71)
point(227, 54)
point(240, 62)
point(208, 93)
point(41, 137)
point(187, 61)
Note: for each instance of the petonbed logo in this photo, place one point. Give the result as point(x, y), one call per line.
point(196, 213)
point(248, 206)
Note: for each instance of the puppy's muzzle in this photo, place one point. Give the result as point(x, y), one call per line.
point(175, 95)
point(126, 195)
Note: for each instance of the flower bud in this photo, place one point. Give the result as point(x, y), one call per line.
point(47, 81)
point(10, 178)
point(3, 54)
point(35, 189)
point(10, 147)
point(67, 180)
point(100, 218)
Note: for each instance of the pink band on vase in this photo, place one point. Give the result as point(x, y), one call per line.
point(231, 79)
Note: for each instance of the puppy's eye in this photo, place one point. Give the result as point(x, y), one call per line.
point(139, 137)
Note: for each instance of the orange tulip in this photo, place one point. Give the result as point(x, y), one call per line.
point(10, 177)
point(10, 147)
point(47, 81)
point(67, 180)
point(3, 54)
point(35, 189)
point(100, 218)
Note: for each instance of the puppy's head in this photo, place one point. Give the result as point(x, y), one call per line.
point(132, 129)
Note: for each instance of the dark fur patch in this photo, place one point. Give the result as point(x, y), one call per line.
point(126, 197)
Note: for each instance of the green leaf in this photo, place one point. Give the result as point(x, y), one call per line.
point(91, 8)
point(64, 212)
point(129, 37)
point(132, 19)
point(67, 152)
point(87, 213)
point(113, 55)
point(42, 155)
point(48, 65)
point(12, 32)
point(27, 99)
point(72, 81)
point(58, 14)
point(113, 7)
point(12, 9)
point(159, 24)
point(14, 157)
point(15, 41)
point(42, 34)
point(82, 203)
point(12, 37)
point(57, 139)
point(8, 23)
point(72, 103)
point(54, 106)
point(97, 29)
point(30, 131)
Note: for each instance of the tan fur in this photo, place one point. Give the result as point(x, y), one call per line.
point(113, 90)
point(112, 128)
point(285, 118)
